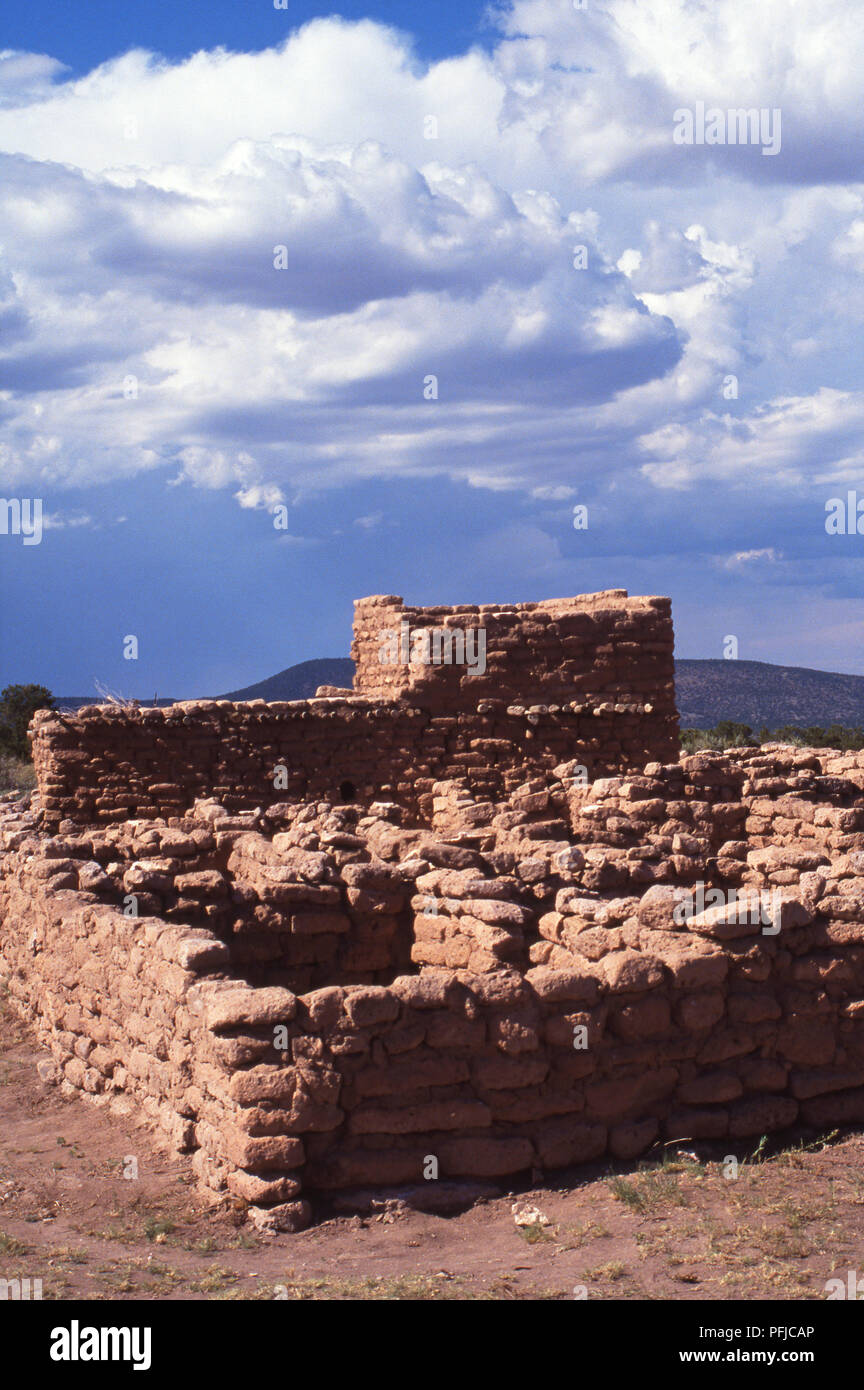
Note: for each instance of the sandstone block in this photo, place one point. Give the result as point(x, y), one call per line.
point(761, 1115)
point(562, 1142)
point(430, 1117)
point(238, 1007)
point(485, 1157)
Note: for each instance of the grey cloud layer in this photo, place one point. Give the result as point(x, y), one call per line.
point(141, 207)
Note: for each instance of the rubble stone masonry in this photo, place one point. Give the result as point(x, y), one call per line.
point(504, 972)
point(592, 676)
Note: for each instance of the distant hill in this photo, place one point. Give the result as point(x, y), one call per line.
point(296, 683)
point(763, 695)
point(750, 692)
point(299, 682)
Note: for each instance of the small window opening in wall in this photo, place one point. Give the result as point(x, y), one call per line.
point(347, 791)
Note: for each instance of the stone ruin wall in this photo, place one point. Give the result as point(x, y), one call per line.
point(592, 676)
point(316, 997)
point(430, 982)
point(594, 650)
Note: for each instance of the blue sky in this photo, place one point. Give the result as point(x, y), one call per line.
point(85, 33)
point(692, 375)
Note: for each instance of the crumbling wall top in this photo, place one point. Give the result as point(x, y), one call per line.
point(599, 645)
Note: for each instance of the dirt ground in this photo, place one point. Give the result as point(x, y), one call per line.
point(673, 1227)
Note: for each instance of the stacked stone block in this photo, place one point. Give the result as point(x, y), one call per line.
point(554, 1006)
point(591, 677)
point(451, 924)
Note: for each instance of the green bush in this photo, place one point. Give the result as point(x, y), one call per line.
point(16, 774)
point(18, 704)
point(729, 734)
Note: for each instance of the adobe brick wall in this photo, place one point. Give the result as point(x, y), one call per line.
point(593, 649)
point(482, 958)
point(590, 678)
point(481, 945)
